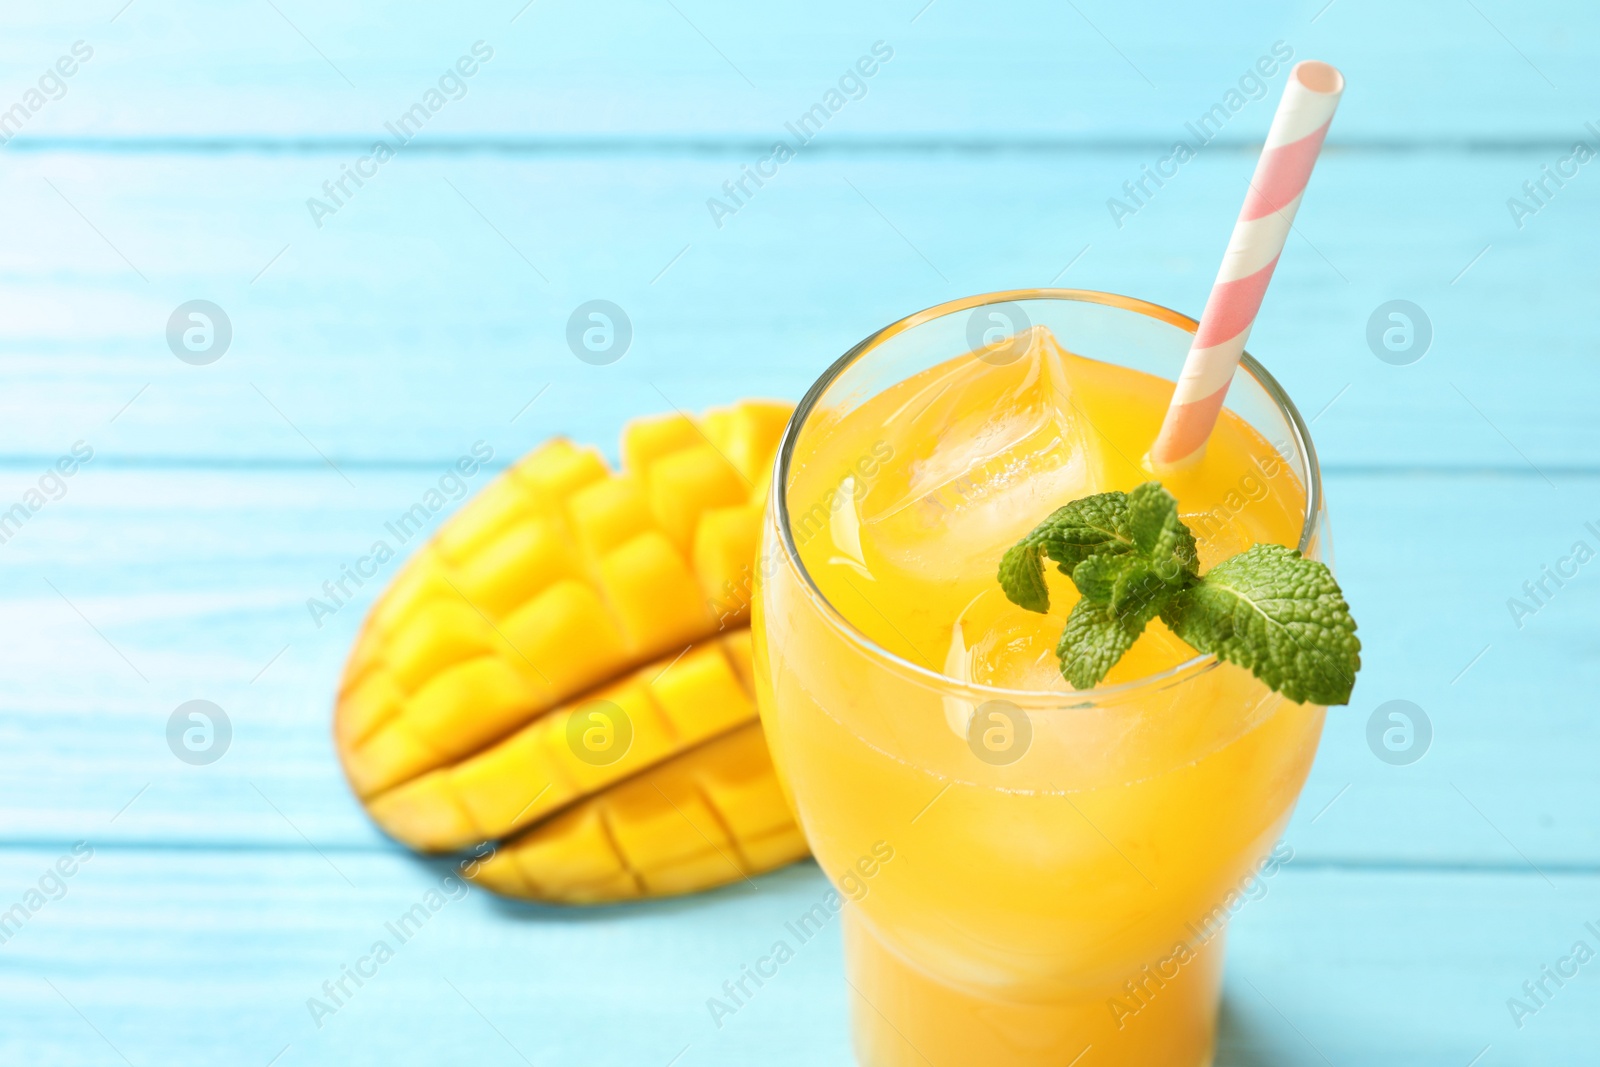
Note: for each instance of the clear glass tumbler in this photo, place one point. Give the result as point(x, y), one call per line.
point(1067, 907)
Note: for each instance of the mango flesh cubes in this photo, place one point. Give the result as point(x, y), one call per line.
point(564, 670)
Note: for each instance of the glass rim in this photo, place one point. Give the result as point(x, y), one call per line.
point(1198, 664)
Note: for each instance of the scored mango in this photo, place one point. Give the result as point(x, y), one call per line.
point(564, 670)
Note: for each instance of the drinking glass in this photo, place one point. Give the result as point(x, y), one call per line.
point(1053, 887)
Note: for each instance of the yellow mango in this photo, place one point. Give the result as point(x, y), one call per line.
point(563, 672)
point(709, 816)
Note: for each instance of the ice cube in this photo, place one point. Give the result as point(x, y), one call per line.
point(844, 529)
point(958, 665)
point(1011, 648)
point(981, 452)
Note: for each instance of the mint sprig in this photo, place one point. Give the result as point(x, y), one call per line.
point(1269, 610)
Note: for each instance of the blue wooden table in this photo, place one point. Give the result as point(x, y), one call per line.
point(196, 151)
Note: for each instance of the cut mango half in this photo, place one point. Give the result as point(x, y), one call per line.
point(563, 670)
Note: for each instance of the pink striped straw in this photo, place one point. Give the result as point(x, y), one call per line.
point(1291, 149)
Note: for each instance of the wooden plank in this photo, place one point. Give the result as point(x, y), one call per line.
point(200, 579)
point(416, 321)
point(1022, 70)
point(202, 957)
point(433, 307)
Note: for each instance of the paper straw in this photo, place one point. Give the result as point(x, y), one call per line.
point(1291, 149)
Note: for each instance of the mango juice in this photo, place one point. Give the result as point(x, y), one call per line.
point(1064, 860)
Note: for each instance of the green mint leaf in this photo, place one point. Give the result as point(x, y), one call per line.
point(1121, 582)
point(1278, 615)
point(1268, 610)
point(1095, 638)
point(1094, 524)
point(1159, 534)
point(1097, 576)
point(1142, 525)
point(1022, 578)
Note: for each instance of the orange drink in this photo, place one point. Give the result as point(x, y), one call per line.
point(1060, 857)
